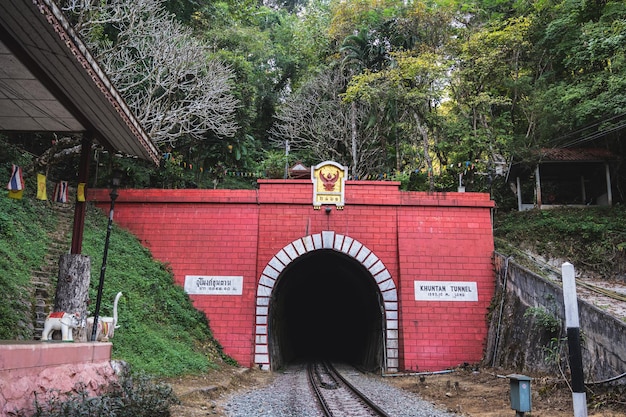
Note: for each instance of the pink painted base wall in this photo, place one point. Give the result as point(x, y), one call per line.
point(31, 368)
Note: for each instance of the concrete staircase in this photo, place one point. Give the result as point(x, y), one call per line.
point(43, 280)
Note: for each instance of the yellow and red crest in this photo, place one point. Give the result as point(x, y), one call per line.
point(329, 183)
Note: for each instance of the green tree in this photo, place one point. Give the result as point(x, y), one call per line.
point(490, 107)
point(414, 84)
point(365, 49)
point(584, 80)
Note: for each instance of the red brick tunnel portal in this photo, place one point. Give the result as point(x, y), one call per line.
point(394, 280)
point(326, 306)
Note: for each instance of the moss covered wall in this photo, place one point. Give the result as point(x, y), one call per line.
point(524, 341)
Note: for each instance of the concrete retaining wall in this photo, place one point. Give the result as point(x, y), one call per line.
point(521, 341)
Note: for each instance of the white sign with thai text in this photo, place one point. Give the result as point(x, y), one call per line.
point(445, 291)
point(213, 285)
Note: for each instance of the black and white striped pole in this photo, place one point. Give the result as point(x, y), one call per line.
point(572, 325)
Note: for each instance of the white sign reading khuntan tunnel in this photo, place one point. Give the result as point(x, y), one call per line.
point(392, 280)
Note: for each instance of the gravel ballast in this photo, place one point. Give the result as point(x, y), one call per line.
point(289, 395)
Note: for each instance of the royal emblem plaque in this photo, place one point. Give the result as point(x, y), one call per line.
point(329, 184)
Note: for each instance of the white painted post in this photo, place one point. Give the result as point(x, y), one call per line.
point(538, 186)
point(519, 194)
point(572, 324)
point(609, 187)
point(287, 149)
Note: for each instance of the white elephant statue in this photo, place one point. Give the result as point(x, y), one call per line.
point(60, 320)
point(106, 325)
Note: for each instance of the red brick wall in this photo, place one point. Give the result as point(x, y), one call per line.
point(418, 236)
point(444, 244)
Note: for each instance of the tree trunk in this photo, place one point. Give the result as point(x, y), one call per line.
point(429, 161)
point(72, 293)
point(354, 138)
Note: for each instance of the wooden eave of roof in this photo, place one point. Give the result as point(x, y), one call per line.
point(49, 81)
point(583, 155)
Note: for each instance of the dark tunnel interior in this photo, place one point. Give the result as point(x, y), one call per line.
point(326, 306)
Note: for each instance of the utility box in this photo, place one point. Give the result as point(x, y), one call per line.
point(520, 392)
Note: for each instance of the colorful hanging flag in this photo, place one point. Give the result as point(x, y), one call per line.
point(41, 187)
point(16, 183)
point(80, 192)
point(60, 192)
point(17, 194)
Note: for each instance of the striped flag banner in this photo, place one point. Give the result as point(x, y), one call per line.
point(60, 192)
point(16, 183)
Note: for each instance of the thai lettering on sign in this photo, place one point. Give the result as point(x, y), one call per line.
point(213, 285)
point(445, 291)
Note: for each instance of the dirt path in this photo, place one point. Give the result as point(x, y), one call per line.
point(485, 393)
point(466, 392)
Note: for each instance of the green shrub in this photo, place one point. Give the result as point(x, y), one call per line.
point(591, 238)
point(133, 396)
point(544, 320)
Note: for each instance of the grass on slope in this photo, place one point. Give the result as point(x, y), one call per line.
point(23, 240)
point(160, 333)
point(593, 238)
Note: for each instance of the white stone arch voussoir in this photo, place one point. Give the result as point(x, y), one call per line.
point(340, 243)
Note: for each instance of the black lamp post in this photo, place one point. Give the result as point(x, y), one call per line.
point(115, 182)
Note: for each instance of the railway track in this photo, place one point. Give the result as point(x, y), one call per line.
point(336, 396)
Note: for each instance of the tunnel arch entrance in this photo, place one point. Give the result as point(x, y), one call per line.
point(341, 299)
point(325, 305)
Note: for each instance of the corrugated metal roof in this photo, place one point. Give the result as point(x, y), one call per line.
point(576, 155)
point(50, 82)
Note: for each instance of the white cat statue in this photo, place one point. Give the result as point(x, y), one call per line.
point(106, 325)
point(60, 320)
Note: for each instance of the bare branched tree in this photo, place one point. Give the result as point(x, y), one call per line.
point(165, 74)
point(317, 120)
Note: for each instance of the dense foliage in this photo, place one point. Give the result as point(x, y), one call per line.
point(426, 92)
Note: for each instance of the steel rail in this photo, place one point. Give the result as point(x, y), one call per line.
point(317, 391)
point(358, 393)
point(340, 382)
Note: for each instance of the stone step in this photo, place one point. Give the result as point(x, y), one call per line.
point(42, 279)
